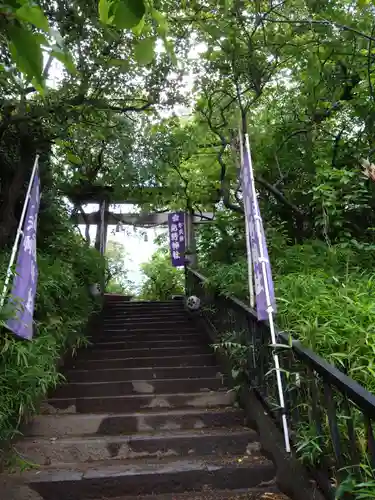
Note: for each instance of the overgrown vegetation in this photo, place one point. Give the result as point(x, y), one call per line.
point(324, 299)
point(161, 279)
point(116, 280)
point(324, 295)
point(28, 369)
point(298, 75)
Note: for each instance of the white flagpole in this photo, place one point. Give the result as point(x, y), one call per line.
point(262, 261)
point(18, 235)
point(248, 247)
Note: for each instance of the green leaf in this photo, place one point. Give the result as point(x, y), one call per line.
point(123, 64)
point(41, 39)
point(74, 159)
point(128, 13)
point(170, 50)
point(137, 30)
point(144, 51)
point(26, 52)
point(104, 8)
point(34, 15)
point(39, 87)
point(161, 20)
point(65, 58)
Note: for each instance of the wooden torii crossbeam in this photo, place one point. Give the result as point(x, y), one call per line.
point(141, 219)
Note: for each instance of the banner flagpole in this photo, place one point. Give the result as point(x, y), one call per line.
point(248, 246)
point(263, 261)
point(18, 234)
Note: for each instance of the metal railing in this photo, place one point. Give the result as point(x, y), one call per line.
point(331, 417)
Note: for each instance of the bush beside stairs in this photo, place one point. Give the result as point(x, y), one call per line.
point(144, 414)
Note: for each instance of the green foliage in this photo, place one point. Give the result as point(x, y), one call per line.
point(364, 490)
point(324, 298)
point(28, 369)
point(302, 76)
point(144, 50)
point(121, 13)
point(139, 16)
point(162, 279)
point(116, 271)
point(235, 347)
point(22, 22)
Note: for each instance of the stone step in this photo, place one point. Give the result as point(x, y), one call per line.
point(126, 307)
point(165, 314)
point(146, 361)
point(140, 324)
point(143, 330)
point(50, 426)
point(159, 352)
point(145, 343)
point(268, 493)
point(119, 336)
point(70, 450)
point(150, 373)
point(137, 402)
point(145, 315)
point(136, 318)
point(115, 296)
point(82, 481)
point(125, 387)
point(147, 325)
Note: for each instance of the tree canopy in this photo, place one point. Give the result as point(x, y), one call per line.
point(144, 100)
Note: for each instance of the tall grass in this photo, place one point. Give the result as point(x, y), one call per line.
point(325, 298)
point(28, 369)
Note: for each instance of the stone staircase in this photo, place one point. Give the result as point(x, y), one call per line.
point(145, 414)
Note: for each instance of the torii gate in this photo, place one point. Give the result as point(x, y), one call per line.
point(103, 218)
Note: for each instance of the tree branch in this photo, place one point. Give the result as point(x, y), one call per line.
point(278, 195)
point(323, 22)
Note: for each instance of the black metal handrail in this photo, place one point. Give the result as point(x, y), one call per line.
point(330, 415)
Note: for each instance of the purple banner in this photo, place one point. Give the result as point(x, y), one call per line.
point(257, 242)
point(176, 223)
point(26, 278)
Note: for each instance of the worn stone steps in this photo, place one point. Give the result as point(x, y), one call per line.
point(195, 442)
point(268, 493)
point(145, 315)
point(146, 309)
point(144, 414)
point(150, 320)
point(150, 476)
point(141, 352)
point(143, 373)
point(141, 327)
point(146, 343)
point(179, 359)
point(136, 402)
point(129, 387)
point(165, 335)
point(55, 425)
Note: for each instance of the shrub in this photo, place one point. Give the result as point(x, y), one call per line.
point(162, 280)
point(28, 369)
point(325, 299)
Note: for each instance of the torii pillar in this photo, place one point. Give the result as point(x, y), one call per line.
point(191, 244)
